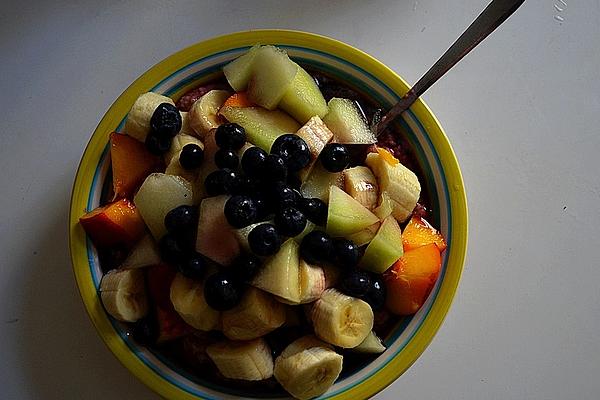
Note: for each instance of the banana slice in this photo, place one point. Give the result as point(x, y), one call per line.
point(180, 140)
point(138, 119)
point(400, 183)
point(341, 320)
point(144, 254)
point(186, 128)
point(249, 360)
point(360, 183)
point(256, 315)
point(372, 344)
point(316, 135)
point(312, 282)
point(203, 115)
point(187, 296)
point(307, 367)
point(123, 293)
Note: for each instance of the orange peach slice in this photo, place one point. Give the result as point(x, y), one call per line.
point(419, 232)
point(117, 223)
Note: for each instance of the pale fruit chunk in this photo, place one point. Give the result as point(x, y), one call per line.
point(361, 184)
point(215, 238)
point(347, 123)
point(123, 294)
point(385, 207)
point(345, 215)
point(272, 75)
point(180, 140)
point(238, 71)
point(316, 135)
point(312, 282)
point(187, 296)
point(319, 182)
point(175, 168)
point(303, 99)
point(280, 273)
point(246, 360)
point(159, 194)
point(256, 315)
point(372, 344)
point(365, 236)
point(186, 129)
point(208, 165)
point(144, 253)
point(262, 126)
point(385, 248)
point(203, 116)
point(137, 124)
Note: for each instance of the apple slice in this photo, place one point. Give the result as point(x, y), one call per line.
point(385, 248)
point(262, 126)
point(238, 71)
point(272, 75)
point(280, 273)
point(347, 123)
point(303, 99)
point(216, 239)
point(319, 182)
point(346, 215)
point(117, 223)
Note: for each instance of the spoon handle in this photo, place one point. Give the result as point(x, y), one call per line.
point(489, 19)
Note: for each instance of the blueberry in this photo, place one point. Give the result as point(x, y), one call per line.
point(314, 209)
point(166, 120)
point(145, 330)
point(335, 157)
point(376, 294)
point(222, 181)
point(230, 136)
point(355, 283)
point(294, 151)
point(262, 207)
point(240, 211)
point(275, 169)
point(290, 221)
point(157, 145)
point(283, 196)
point(227, 158)
point(247, 185)
point(253, 161)
point(191, 156)
point(193, 267)
point(222, 292)
point(171, 249)
point(181, 218)
point(347, 253)
point(246, 266)
point(293, 181)
point(264, 240)
point(316, 248)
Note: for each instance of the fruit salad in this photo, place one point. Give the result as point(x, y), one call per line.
point(258, 233)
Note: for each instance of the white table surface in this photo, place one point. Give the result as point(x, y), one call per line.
point(522, 112)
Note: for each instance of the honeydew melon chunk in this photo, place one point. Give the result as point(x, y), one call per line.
point(385, 248)
point(272, 75)
point(372, 344)
point(303, 99)
point(347, 123)
point(280, 274)
point(238, 71)
point(262, 126)
point(319, 181)
point(365, 236)
point(345, 215)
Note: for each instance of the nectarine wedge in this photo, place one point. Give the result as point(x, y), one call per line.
point(117, 223)
point(419, 232)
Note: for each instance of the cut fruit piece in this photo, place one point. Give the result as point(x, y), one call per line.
point(365, 236)
point(131, 164)
point(307, 367)
point(208, 165)
point(341, 320)
point(144, 254)
point(307, 229)
point(372, 344)
point(204, 114)
point(385, 248)
point(216, 239)
point(316, 135)
point(262, 126)
point(123, 294)
point(361, 184)
point(256, 315)
point(117, 223)
point(174, 168)
point(159, 194)
point(385, 207)
point(249, 360)
point(312, 282)
point(238, 71)
point(239, 99)
point(177, 144)
point(280, 273)
point(410, 280)
point(272, 75)
point(345, 215)
point(137, 124)
point(303, 99)
point(319, 182)
point(419, 232)
point(187, 296)
point(332, 275)
point(186, 129)
point(347, 123)
point(401, 184)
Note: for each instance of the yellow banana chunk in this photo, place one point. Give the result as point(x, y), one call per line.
point(123, 293)
point(203, 116)
point(247, 360)
point(341, 320)
point(186, 128)
point(137, 124)
point(307, 367)
point(187, 296)
point(360, 183)
point(256, 315)
point(312, 282)
point(144, 254)
point(316, 135)
point(400, 183)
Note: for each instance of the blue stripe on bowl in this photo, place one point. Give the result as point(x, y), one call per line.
point(172, 373)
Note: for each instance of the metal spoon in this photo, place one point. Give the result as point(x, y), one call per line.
point(490, 18)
